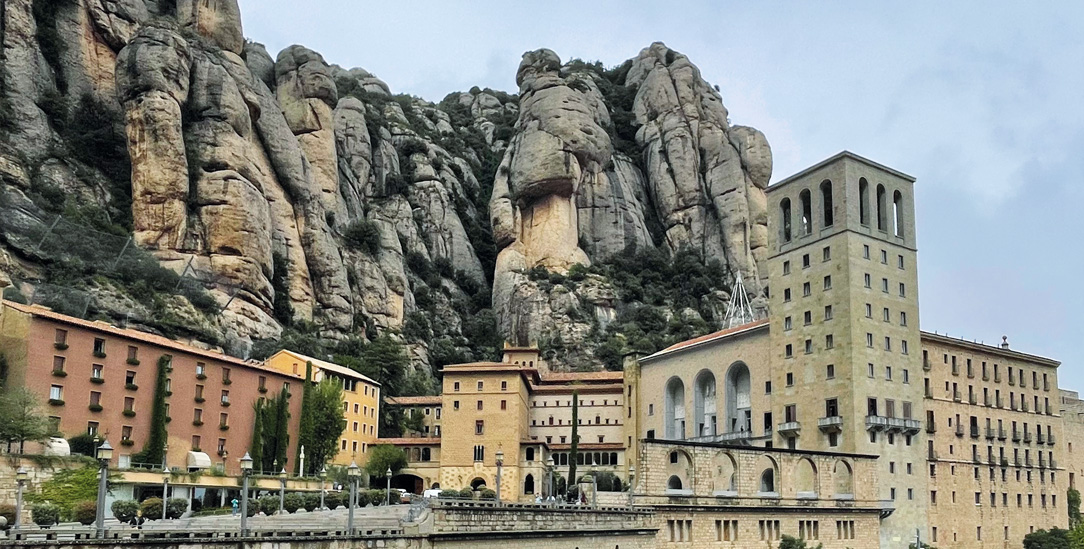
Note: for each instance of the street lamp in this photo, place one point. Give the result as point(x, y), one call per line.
point(246, 470)
point(352, 474)
point(500, 465)
point(549, 471)
point(594, 489)
point(20, 477)
point(632, 474)
point(323, 489)
point(388, 475)
point(282, 490)
point(165, 486)
point(105, 453)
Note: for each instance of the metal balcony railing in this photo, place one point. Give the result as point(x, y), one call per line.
point(1027, 437)
point(931, 427)
point(971, 398)
point(997, 377)
point(985, 376)
point(1000, 433)
point(1039, 438)
point(959, 429)
point(929, 392)
point(830, 424)
point(956, 395)
point(926, 365)
point(1023, 405)
point(876, 423)
point(990, 433)
point(974, 432)
point(1050, 439)
point(1015, 435)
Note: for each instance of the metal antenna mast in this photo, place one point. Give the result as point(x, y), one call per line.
point(739, 311)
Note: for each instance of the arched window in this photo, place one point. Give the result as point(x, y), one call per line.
point(842, 479)
point(826, 202)
point(739, 413)
point(784, 214)
point(726, 473)
point(897, 213)
point(673, 483)
point(807, 211)
point(528, 485)
point(675, 409)
point(882, 209)
point(530, 454)
point(805, 478)
point(767, 481)
point(704, 404)
point(863, 201)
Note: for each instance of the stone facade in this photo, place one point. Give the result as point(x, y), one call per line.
point(996, 454)
point(1072, 423)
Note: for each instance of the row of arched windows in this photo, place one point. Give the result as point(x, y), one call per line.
point(827, 210)
point(706, 404)
point(803, 476)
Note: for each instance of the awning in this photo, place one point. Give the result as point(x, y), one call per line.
point(199, 460)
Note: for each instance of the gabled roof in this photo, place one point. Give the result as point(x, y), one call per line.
point(566, 377)
point(708, 338)
point(325, 365)
point(413, 400)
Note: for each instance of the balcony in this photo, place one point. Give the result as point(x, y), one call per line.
point(990, 433)
point(905, 426)
point(986, 400)
point(959, 429)
point(932, 454)
point(971, 398)
point(956, 395)
point(1012, 405)
point(929, 392)
point(985, 376)
point(789, 428)
point(1015, 436)
point(1039, 438)
point(1050, 439)
point(1048, 412)
point(1001, 433)
point(1004, 461)
point(931, 427)
point(735, 436)
point(1028, 462)
point(997, 377)
point(926, 365)
point(876, 423)
point(1023, 405)
point(1053, 463)
point(974, 432)
point(830, 424)
point(1042, 462)
point(997, 401)
point(1027, 437)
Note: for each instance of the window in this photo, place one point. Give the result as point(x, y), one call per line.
point(885, 315)
point(479, 426)
point(826, 253)
point(195, 443)
point(865, 251)
point(479, 404)
point(99, 346)
point(784, 212)
point(903, 346)
point(92, 428)
point(129, 377)
point(829, 341)
point(828, 312)
point(899, 263)
point(263, 383)
point(767, 387)
point(869, 340)
point(787, 323)
point(786, 267)
point(199, 392)
point(479, 453)
point(201, 369)
point(869, 310)
point(788, 351)
point(806, 201)
point(884, 257)
point(903, 290)
point(805, 289)
point(867, 280)
point(480, 385)
point(786, 294)
point(225, 400)
point(504, 405)
point(807, 318)
point(197, 415)
point(808, 346)
point(126, 432)
point(226, 378)
point(58, 365)
point(129, 404)
point(455, 386)
point(504, 385)
point(888, 343)
point(56, 392)
point(869, 370)
point(60, 338)
point(790, 379)
point(133, 354)
point(223, 420)
point(903, 318)
point(805, 261)
point(96, 371)
point(884, 285)
point(831, 371)
point(906, 376)
point(95, 398)
point(828, 282)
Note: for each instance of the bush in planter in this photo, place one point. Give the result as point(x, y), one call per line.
point(84, 512)
point(332, 500)
point(311, 501)
point(175, 507)
point(125, 509)
point(269, 504)
point(486, 493)
point(7, 511)
point(45, 514)
point(292, 502)
point(377, 497)
point(151, 509)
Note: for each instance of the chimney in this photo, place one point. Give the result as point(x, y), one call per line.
point(1004, 342)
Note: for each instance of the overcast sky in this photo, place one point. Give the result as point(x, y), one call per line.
point(982, 103)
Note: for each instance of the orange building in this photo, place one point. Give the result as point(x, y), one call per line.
point(100, 379)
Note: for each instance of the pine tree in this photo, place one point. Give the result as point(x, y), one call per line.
point(282, 425)
point(256, 448)
point(306, 425)
point(575, 448)
point(154, 449)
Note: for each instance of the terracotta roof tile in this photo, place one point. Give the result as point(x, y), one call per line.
point(555, 377)
point(408, 441)
point(714, 335)
point(413, 401)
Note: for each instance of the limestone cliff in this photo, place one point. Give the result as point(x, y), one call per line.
point(293, 194)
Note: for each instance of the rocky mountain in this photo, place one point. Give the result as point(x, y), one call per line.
point(159, 169)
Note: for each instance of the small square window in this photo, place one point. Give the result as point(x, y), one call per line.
point(884, 257)
point(786, 267)
point(805, 261)
point(829, 341)
point(479, 427)
point(480, 385)
point(789, 350)
point(827, 253)
point(790, 379)
point(867, 280)
point(786, 323)
point(828, 312)
point(900, 261)
point(767, 387)
point(786, 294)
point(831, 374)
point(805, 289)
point(828, 282)
point(865, 251)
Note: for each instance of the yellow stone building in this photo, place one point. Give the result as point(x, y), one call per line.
point(361, 401)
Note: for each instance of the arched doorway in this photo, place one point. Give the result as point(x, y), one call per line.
point(411, 483)
point(477, 484)
point(528, 485)
point(739, 413)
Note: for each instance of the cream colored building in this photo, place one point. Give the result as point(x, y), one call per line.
point(361, 401)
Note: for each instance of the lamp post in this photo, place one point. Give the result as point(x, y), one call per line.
point(500, 466)
point(323, 489)
point(165, 487)
point(352, 473)
point(246, 470)
point(594, 489)
point(282, 489)
point(549, 471)
point(632, 473)
point(105, 453)
point(20, 478)
point(388, 475)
